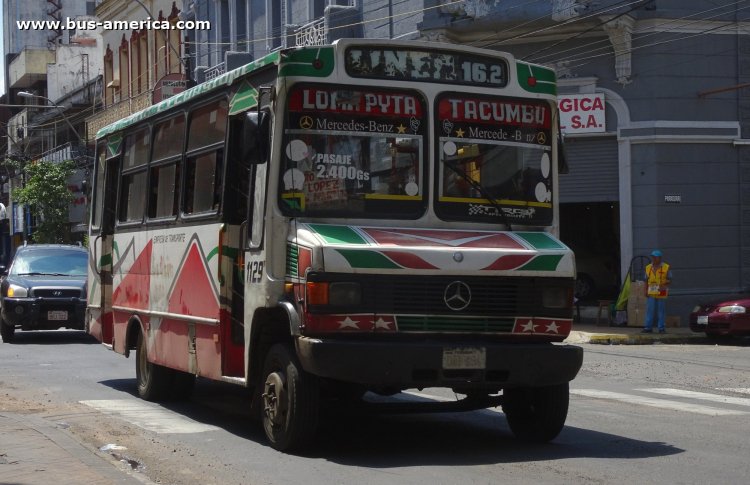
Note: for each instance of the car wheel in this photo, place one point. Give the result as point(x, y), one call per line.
point(585, 286)
point(536, 414)
point(291, 400)
point(7, 332)
point(154, 381)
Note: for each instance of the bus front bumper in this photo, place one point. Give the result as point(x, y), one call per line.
point(432, 363)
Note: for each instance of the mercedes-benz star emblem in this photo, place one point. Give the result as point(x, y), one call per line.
point(457, 295)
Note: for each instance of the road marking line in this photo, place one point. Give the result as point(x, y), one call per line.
point(739, 390)
point(445, 399)
point(740, 401)
point(657, 403)
point(149, 416)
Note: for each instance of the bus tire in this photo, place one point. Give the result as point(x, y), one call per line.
point(154, 381)
point(290, 399)
point(536, 414)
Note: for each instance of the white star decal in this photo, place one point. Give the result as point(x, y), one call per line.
point(552, 327)
point(348, 323)
point(380, 323)
point(529, 327)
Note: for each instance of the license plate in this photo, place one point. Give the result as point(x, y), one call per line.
point(702, 320)
point(57, 315)
point(465, 358)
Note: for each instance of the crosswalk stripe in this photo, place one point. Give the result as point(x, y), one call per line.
point(149, 416)
point(704, 396)
point(657, 403)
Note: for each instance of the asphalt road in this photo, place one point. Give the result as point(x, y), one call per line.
point(638, 414)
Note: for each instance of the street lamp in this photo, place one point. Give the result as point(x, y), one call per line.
point(26, 94)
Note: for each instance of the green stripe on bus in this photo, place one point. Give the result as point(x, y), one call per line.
point(359, 258)
point(545, 262)
point(245, 98)
point(313, 62)
point(292, 256)
point(540, 240)
point(337, 234)
point(544, 79)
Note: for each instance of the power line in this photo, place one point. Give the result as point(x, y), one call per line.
point(606, 43)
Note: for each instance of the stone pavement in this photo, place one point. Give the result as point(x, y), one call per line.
point(34, 451)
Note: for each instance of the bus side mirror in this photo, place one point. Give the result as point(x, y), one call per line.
point(255, 137)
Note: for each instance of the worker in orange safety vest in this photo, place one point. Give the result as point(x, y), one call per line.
point(658, 279)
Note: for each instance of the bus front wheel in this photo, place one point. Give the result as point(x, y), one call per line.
point(290, 400)
point(536, 414)
point(154, 381)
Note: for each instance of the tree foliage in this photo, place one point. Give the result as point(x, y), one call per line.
point(46, 191)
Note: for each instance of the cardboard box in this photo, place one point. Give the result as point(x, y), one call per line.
point(637, 304)
point(672, 321)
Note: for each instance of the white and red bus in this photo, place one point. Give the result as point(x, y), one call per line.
point(364, 216)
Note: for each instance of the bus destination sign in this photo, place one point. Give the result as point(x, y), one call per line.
point(426, 65)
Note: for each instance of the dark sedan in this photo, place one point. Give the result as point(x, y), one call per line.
point(45, 289)
point(722, 318)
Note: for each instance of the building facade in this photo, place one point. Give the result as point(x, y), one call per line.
point(666, 163)
point(137, 62)
point(52, 77)
point(654, 97)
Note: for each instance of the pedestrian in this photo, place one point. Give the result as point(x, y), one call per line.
point(658, 279)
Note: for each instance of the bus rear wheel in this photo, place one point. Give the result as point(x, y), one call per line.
point(154, 381)
point(536, 414)
point(290, 400)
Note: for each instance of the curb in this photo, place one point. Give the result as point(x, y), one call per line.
point(643, 339)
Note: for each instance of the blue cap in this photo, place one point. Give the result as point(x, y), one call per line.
point(656, 253)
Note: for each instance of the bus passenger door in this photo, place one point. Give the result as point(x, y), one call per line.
point(101, 243)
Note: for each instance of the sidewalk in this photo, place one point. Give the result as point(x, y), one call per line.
point(589, 333)
point(35, 451)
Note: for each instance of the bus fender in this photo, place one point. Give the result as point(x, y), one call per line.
point(131, 336)
point(293, 317)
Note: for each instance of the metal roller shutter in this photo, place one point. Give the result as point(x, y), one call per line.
point(593, 173)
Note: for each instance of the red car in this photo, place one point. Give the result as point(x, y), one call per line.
point(723, 318)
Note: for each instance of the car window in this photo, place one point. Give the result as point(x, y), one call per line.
point(50, 262)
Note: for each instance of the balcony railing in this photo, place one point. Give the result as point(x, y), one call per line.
point(116, 112)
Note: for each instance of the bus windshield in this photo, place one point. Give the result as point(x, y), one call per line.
point(351, 152)
point(494, 160)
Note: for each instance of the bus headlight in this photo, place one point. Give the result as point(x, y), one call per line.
point(15, 291)
point(557, 298)
point(343, 293)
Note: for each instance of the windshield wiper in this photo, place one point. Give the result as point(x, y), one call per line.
point(37, 273)
point(482, 191)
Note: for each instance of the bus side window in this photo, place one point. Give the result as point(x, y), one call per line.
point(132, 203)
point(97, 205)
point(164, 180)
point(205, 158)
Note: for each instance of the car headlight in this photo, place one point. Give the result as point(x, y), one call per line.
point(732, 309)
point(697, 308)
point(15, 291)
point(557, 297)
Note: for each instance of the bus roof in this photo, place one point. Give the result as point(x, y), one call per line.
point(319, 61)
point(224, 80)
